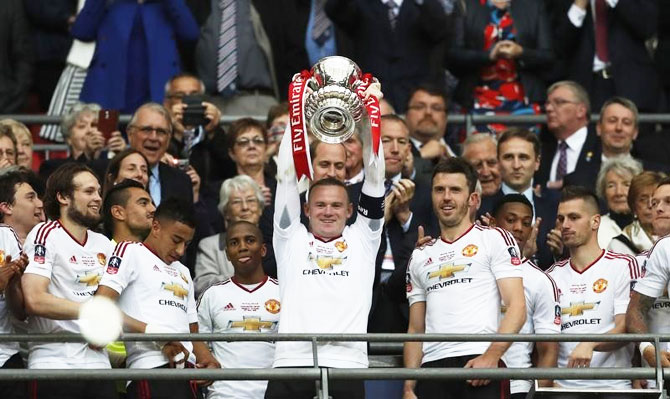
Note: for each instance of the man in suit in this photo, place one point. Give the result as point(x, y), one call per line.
point(603, 45)
point(570, 149)
point(519, 158)
point(320, 36)
point(399, 42)
point(16, 63)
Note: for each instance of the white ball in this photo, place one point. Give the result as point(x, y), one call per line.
point(100, 320)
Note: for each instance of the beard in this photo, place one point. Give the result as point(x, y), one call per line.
point(88, 221)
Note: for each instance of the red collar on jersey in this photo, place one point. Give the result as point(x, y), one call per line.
point(459, 237)
point(590, 264)
point(262, 283)
point(83, 244)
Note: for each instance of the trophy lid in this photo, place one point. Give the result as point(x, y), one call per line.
point(336, 70)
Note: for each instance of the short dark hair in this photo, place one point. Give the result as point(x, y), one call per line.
point(61, 182)
point(523, 134)
point(117, 195)
point(243, 125)
point(431, 89)
point(570, 193)
point(276, 111)
point(457, 165)
point(394, 118)
point(176, 210)
point(9, 179)
point(255, 228)
point(328, 181)
point(511, 198)
point(115, 166)
point(314, 145)
point(663, 182)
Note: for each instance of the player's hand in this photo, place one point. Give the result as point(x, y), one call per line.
point(169, 159)
point(581, 355)
point(95, 142)
point(206, 362)
point(422, 239)
point(6, 274)
point(404, 192)
point(5, 163)
point(213, 115)
point(19, 265)
point(483, 361)
point(195, 182)
point(388, 206)
point(555, 242)
point(177, 112)
point(494, 54)
point(530, 248)
point(375, 89)
point(510, 49)
point(487, 220)
point(172, 349)
point(650, 357)
point(555, 185)
point(409, 395)
point(640, 384)
point(116, 143)
point(408, 166)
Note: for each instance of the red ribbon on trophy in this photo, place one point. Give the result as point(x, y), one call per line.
point(372, 106)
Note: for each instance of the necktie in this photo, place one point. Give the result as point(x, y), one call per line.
point(601, 31)
point(562, 168)
point(393, 12)
point(321, 26)
point(227, 57)
point(388, 185)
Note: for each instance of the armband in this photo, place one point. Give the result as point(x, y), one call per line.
point(371, 207)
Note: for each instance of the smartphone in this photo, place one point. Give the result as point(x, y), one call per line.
point(108, 122)
point(194, 113)
point(182, 164)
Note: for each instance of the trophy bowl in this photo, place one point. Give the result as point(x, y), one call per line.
point(333, 108)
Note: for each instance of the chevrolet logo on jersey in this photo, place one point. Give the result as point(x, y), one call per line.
point(327, 262)
point(578, 308)
point(176, 289)
point(89, 279)
point(447, 271)
point(252, 323)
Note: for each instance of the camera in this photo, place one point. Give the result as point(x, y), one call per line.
point(194, 113)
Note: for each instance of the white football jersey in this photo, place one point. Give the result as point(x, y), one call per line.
point(543, 316)
point(9, 245)
point(75, 270)
point(326, 287)
point(229, 307)
point(589, 301)
point(457, 280)
point(152, 292)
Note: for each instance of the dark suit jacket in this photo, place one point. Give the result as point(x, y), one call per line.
point(545, 208)
point(629, 24)
point(401, 58)
point(588, 164)
point(466, 55)
point(174, 183)
point(16, 62)
point(345, 46)
point(99, 166)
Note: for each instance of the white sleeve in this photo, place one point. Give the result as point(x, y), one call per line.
point(371, 200)
point(415, 290)
point(287, 199)
point(547, 313)
point(9, 243)
point(120, 270)
point(622, 289)
point(657, 273)
point(504, 253)
point(40, 257)
point(205, 322)
point(576, 16)
point(192, 307)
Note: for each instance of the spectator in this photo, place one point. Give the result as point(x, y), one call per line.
point(86, 143)
point(385, 107)
point(253, 71)
point(354, 164)
point(24, 142)
point(275, 123)
point(639, 235)
point(402, 46)
point(427, 122)
point(135, 52)
point(127, 164)
point(50, 24)
point(241, 199)
point(7, 147)
point(570, 145)
point(603, 44)
point(614, 180)
point(499, 57)
point(321, 37)
point(481, 151)
point(16, 62)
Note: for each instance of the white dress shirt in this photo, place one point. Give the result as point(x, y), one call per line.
point(575, 143)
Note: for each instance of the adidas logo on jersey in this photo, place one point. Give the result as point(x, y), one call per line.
point(229, 307)
point(156, 269)
point(73, 259)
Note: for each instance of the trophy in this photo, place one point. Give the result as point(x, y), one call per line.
point(334, 108)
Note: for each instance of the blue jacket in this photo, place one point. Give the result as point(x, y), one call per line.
point(164, 21)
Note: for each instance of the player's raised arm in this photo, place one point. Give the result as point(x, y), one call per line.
point(371, 202)
point(287, 199)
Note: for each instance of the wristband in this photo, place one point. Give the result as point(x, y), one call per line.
point(643, 346)
point(371, 207)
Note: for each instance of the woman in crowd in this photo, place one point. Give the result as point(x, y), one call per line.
point(241, 199)
point(7, 147)
point(498, 50)
point(127, 164)
point(612, 185)
point(24, 142)
point(639, 235)
point(275, 123)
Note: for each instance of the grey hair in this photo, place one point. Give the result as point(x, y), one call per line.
point(478, 138)
point(622, 166)
point(158, 108)
point(73, 114)
point(182, 76)
point(577, 90)
point(624, 102)
point(238, 183)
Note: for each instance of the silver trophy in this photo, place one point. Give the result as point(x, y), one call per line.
point(333, 108)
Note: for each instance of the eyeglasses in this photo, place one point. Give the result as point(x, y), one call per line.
point(245, 141)
point(421, 107)
point(150, 129)
point(250, 202)
point(558, 102)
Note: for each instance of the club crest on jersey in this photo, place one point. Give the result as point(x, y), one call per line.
point(252, 323)
point(514, 256)
point(600, 285)
point(408, 282)
point(176, 289)
point(102, 259)
point(448, 270)
point(113, 265)
point(273, 306)
point(40, 253)
point(470, 250)
point(578, 308)
point(557, 315)
point(341, 245)
point(89, 279)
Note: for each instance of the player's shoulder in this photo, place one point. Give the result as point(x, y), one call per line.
point(558, 267)
point(662, 244)
point(538, 278)
point(98, 238)
point(496, 234)
point(273, 281)
point(425, 247)
point(7, 231)
point(625, 262)
point(123, 248)
point(214, 289)
point(42, 231)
